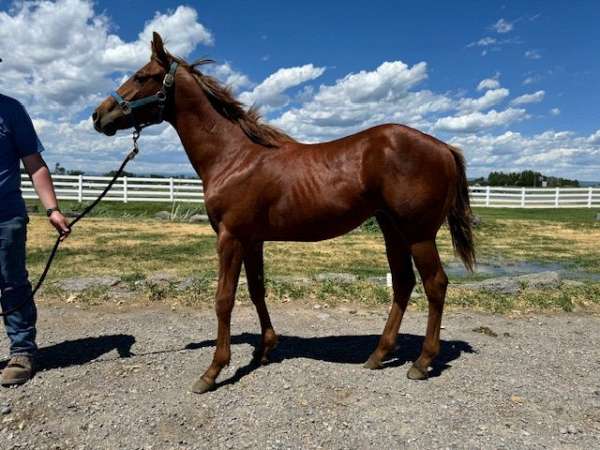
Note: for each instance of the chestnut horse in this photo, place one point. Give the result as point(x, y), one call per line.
point(262, 185)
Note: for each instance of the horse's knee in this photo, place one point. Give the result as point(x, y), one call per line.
point(436, 285)
point(223, 307)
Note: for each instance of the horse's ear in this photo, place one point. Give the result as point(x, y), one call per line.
point(158, 48)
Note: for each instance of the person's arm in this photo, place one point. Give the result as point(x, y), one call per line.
point(42, 182)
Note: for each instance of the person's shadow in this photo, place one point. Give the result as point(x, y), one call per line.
point(344, 350)
point(81, 351)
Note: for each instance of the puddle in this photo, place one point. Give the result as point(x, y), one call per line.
point(487, 269)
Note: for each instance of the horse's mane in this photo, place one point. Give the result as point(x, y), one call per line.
point(222, 100)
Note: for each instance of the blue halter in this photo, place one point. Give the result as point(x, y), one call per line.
point(160, 99)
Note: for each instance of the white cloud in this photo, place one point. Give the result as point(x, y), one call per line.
point(559, 153)
point(489, 43)
point(488, 83)
point(533, 54)
point(503, 26)
point(230, 77)
point(477, 121)
point(531, 79)
point(270, 93)
point(489, 99)
point(483, 42)
point(594, 138)
point(60, 57)
point(555, 111)
point(536, 97)
point(364, 99)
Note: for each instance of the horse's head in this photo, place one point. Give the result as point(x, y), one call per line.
point(141, 100)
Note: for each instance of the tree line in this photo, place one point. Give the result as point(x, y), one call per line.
point(526, 178)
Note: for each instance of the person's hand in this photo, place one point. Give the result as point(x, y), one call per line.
point(61, 224)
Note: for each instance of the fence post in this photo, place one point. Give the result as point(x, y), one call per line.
point(487, 196)
point(125, 189)
point(589, 197)
point(523, 197)
point(80, 189)
point(171, 189)
point(557, 197)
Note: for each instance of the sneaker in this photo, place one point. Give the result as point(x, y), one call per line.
point(19, 370)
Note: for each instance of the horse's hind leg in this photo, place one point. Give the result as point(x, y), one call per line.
point(403, 282)
point(435, 283)
point(253, 262)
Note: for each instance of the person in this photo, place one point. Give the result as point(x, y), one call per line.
point(19, 142)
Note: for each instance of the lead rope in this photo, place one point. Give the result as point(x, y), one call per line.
point(132, 154)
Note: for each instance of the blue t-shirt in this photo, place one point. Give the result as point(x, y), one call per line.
point(17, 140)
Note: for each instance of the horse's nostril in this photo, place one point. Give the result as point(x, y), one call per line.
point(95, 116)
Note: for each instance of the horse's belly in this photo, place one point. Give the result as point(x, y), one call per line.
point(308, 225)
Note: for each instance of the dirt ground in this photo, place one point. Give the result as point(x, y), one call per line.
point(120, 378)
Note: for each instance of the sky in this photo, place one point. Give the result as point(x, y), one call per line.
point(514, 84)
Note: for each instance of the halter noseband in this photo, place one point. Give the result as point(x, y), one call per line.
point(160, 98)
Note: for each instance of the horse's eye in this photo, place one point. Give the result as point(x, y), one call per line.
point(140, 78)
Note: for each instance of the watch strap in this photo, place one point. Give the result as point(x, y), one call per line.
point(49, 211)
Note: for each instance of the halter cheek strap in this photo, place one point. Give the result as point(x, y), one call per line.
point(160, 99)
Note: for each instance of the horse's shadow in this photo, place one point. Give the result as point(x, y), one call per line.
point(342, 349)
point(81, 351)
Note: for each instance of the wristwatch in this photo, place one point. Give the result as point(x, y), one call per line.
point(49, 211)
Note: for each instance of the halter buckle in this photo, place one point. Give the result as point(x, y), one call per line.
point(168, 80)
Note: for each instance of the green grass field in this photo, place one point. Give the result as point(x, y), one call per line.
point(124, 240)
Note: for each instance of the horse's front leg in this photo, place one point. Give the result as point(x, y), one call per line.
point(230, 262)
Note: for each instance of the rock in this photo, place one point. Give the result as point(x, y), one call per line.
point(382, 281)
point(5, 410)
point(485, 330)
point(160, 278)
point(163, 215)
point(79, 284)
point(541, 280)
point(120, 292)
point(344, 278)
point(517, 399)
point(513, 285)
point(186, 283)
point(573, 283)
point(500, 285)
point(198, 218)
point(475, 220)
point(291, 279)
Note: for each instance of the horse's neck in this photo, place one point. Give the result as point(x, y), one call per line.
point(209, 139)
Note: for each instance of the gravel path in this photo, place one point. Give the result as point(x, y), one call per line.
point(121, 379)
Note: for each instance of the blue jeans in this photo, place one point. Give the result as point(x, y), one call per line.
point(15, 287)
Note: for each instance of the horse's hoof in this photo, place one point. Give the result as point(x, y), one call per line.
point(258, 357)
point(373, 364)
point(414, 373)
point(200, 386)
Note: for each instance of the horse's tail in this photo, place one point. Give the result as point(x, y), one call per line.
point(459, 216)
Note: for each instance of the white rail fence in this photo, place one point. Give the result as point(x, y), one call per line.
point(128, 189)
point(517, 197)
